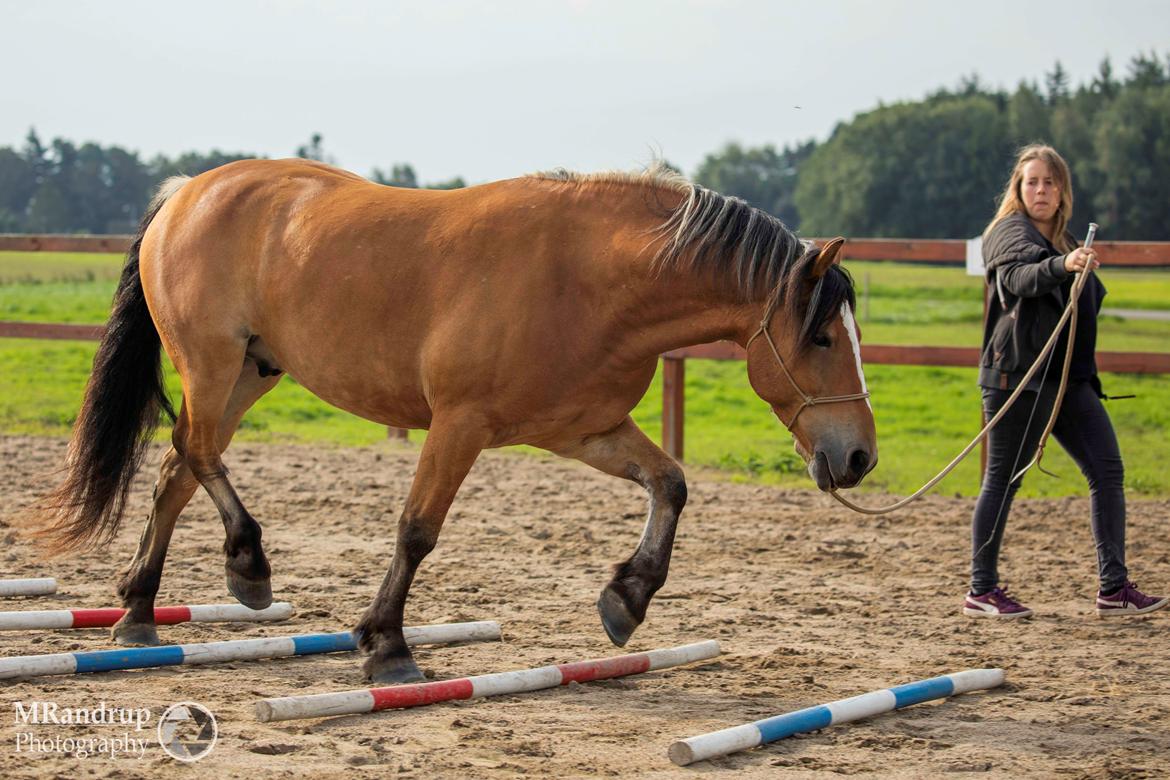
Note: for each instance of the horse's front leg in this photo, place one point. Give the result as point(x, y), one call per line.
point(627, 452)
point(448, 454)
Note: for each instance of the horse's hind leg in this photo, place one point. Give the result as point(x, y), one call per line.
point(447, 455)
point(176, 484)
point(140, 582)
point(209, 377)
point(627, 452)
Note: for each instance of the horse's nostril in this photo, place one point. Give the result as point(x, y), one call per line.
point(858, 462)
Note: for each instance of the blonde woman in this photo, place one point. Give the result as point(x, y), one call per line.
point(1031, 262)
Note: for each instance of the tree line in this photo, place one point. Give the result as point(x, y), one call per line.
point(930, 168)
point(60, 187)
point(934, 168)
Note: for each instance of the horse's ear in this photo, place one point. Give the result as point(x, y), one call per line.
point(829, 255)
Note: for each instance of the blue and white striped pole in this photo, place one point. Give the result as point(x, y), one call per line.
point(750, 735)
point(231, 650)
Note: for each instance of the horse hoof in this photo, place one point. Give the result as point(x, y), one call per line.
point(392, 671)
point(135, 634)
point(616, 618)
point(254, 594)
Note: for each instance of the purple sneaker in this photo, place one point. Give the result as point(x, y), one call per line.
point(1128, 601)
point(995, 603)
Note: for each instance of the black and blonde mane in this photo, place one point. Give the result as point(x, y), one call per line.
point(749, 249)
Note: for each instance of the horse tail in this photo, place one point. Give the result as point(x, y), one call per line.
point(123, 400)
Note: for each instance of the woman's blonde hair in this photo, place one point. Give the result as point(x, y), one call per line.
point(1012, 203)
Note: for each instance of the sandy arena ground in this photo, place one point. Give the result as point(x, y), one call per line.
point(810, 602)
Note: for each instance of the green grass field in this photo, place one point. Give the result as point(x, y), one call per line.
point(924, 415)
point(908, 304)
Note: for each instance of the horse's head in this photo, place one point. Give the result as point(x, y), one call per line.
point(805, 361)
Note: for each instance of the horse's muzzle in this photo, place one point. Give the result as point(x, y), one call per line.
point(831, 471)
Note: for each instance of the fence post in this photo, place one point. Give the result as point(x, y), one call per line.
point(673, 379)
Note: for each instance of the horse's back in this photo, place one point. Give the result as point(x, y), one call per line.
point(271, 218)
point(383, 301)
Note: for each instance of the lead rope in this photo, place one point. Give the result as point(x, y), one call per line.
point(1070, 311)
point(1074, 296)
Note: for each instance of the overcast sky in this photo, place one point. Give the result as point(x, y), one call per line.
point(489, 90)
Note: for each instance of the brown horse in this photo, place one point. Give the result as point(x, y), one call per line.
point(531, 310)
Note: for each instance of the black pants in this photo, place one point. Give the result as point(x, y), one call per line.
point(1084, 430)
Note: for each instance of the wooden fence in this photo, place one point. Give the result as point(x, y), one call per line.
point(953, 252)
point(1132, 254)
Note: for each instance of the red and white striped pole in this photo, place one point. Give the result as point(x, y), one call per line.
point(163, 616)
point(520, 681)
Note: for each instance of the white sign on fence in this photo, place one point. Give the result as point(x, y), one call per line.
point(975, 256)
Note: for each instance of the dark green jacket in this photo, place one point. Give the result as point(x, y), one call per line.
point(1025, 273)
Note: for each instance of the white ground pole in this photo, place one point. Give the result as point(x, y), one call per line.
point(41, 586)
point(749, 735)
point(519, 681)
point(232, 650)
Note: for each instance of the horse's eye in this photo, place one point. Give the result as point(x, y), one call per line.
point(821, 340)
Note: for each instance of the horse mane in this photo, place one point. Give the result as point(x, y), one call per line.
point(727, 238)
point(657, 175)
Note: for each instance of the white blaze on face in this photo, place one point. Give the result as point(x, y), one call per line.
point(851, 329)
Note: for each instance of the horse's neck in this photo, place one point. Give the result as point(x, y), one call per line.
point(657, 310)
point(675, 310)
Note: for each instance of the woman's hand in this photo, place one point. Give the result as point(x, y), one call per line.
point(1079, 259)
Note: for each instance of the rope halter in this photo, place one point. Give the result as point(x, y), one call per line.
point(806, 399)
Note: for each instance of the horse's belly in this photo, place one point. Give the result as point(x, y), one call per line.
point(382, 391)
point(584, 408)
point(400, 407)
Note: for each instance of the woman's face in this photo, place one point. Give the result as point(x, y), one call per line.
point(1040, 191)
